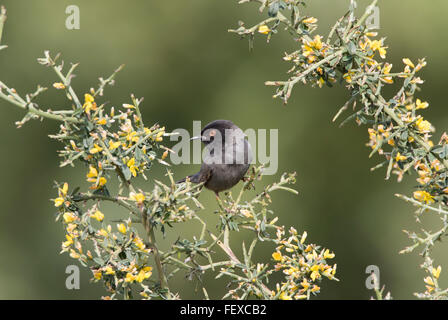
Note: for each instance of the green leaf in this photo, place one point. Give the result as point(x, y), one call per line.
point(126, 172)
point(351, 48)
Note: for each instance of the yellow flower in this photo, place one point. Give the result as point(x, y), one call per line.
point(139, 197)
point(89, 103)
point(102, 121)
point(102, 181)
point(387, 67)
point(436, 272)
point(129, 277)
point(316, 43)
point(305, 284)
point(421, 105)
point(58, 202)
point(264, 29)
point(423, 196)
point(277, 256)
point(128, 106)
point(73, 144)
point(321, 82)
point(423, 125)
point(114, 145)
point(376, 45)
point(69, 241)
point(348, 76)
point(71, 229)
point(314, 275)
point(311, 58)
point(408, 62)
point(59, 85)
point(93, 173)
point(64, 189)
point(328, 255)
point(315, 288)
point(132, 167)
point(145, 273)
point(103, 233)
point(139, 243)
point(88, 98)
point(284, 296)
point(95, 149)
point(98, 215)
point(310, 20)
point(386, 71)
point(62, 194)
point(74, 254)
point(69, 217)
point(315, 272)
point(304, 235)
point(159, 136)
point(97, 274)
point(421, 64)
point(429, 281)
point(445, 190)
point(122, 228)
point(382, 51)
point(132, 136)
point(400, 157)
point(109, 270)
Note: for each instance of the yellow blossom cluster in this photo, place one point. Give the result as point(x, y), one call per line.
point(371, 46)
point(89, 103)
point(95, 178)
point(303, 265)
point(130, 273)
point(378, 136)
point(62, 195)
point(431, 281)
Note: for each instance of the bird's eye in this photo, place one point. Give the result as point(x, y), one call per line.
point(212, 133)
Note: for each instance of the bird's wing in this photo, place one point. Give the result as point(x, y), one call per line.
point(203, 175)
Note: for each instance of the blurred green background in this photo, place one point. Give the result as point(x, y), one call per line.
point(179, 56)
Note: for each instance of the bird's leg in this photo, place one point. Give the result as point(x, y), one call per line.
point(220, 203)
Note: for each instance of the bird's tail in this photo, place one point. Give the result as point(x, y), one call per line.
point(193, 178)
point(181, 180)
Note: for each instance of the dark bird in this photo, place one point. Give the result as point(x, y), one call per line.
point(227, 156)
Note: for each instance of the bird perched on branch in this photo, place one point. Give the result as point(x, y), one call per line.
point(227, 156)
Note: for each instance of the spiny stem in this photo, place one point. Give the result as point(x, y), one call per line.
point(2, 21)
point(117, 200)
point(40, 113)
point(66, 81)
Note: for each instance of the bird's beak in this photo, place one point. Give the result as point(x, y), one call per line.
point(196, 138)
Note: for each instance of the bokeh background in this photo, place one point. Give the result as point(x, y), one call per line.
point(179, 56)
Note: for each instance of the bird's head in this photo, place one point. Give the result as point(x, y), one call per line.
point(217, 128)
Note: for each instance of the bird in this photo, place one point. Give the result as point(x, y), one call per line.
point(227, 158)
